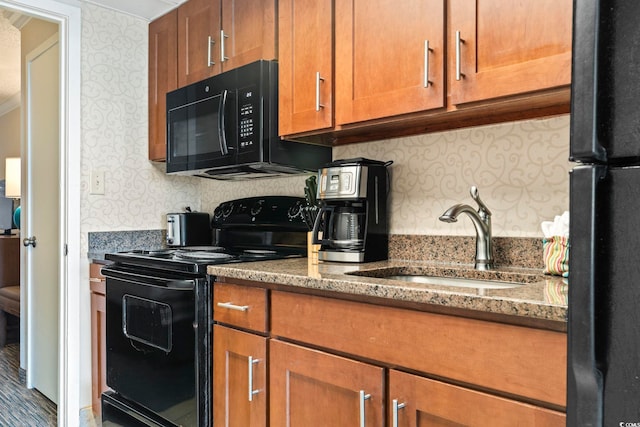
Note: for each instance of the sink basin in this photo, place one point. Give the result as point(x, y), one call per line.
point(479, 281)
point(453, 281)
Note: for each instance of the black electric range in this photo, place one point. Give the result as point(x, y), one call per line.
point(158, 320)
point(243, 230)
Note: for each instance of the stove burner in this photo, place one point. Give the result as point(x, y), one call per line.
point(201, 255)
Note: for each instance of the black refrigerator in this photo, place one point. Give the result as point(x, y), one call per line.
point(603, 378)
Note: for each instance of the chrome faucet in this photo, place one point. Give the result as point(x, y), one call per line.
point(482, 222)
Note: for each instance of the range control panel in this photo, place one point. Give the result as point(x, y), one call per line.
point(269, 211)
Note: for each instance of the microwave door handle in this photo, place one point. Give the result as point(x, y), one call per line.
point(224, 148)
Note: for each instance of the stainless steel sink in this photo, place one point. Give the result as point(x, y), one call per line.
point(453, 281)
point(475, 281)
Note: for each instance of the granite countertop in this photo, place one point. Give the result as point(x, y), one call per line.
point(541, 298)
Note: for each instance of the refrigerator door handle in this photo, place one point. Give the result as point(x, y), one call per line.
point(584, 380)
point(584, 145)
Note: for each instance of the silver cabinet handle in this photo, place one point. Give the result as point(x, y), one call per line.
point(363, 397)
point(318, 80)
point(29, 241)
point(394, 409)
point(209, 43)
point(222, 37)
point(231, 306)
point(459, 42)
point(252, 392)
point(427, 50)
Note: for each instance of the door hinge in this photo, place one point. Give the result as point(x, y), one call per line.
point(66, 249)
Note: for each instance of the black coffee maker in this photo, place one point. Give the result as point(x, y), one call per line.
point(352, 224)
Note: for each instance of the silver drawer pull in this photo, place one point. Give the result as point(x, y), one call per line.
point(395, 407)
point(363, 397)
point(231, 306)
point(459, 42)
point(210, 41)
point(427, 51)
point(222, 37)
point(252, 392)
point(318, 80)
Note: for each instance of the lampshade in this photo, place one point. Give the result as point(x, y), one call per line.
point(12, 178)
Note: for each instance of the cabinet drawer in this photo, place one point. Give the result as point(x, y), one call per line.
point(97, 282)
point(513, 359)
point(240, 306)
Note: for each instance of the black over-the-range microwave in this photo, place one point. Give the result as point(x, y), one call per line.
point(226, 127)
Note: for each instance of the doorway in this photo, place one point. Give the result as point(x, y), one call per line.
point(67, 17)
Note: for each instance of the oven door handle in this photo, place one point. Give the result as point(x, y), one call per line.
point(144, 279)
point(224, 147)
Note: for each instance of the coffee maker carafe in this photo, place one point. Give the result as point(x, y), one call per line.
point(352, 223)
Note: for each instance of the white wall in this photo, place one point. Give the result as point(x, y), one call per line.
point(9, 137)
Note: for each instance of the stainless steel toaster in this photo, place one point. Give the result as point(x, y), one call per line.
point(188, 229)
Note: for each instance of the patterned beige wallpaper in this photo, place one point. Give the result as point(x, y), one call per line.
point(520, 168)
point(114, 129)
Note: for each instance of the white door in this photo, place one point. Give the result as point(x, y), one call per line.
point(40, 216)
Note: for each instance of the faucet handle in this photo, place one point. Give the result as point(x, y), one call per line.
point(475, 195)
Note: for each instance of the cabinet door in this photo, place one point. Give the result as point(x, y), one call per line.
point(239, 378)
point(249, 28)
point(163, 78)
point(312, 388)
point(508, 48)
point(98, 337)
point(198, 40)
point(421, 402)
point(306, 65)
point(389, 58)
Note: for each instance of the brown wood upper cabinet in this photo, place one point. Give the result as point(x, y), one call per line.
point(163, 78)
point(499, 48)
point(216, 36)
point(305, 43)
point(409, 67)
point(389, 58)
point(199, 39)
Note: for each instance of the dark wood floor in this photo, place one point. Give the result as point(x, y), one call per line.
point(20, 406)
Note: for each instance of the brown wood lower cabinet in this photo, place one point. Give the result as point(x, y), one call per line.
point(98, 336)
point(338, 363)
point(239, 378)
point(415, 401)
point(313, 388)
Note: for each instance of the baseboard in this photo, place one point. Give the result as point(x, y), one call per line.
point(87, 419)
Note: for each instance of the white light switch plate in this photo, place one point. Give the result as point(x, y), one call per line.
point(96, 185)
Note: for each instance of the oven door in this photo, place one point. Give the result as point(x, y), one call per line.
point(159, 342)
point(201, 128)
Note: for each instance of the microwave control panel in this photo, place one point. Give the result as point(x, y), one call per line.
point(248, 119)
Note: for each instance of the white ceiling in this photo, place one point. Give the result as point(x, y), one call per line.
point(10, 40)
